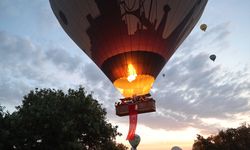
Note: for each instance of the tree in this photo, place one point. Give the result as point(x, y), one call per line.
point(230, 139)
point(50, 119)
point(3, 132)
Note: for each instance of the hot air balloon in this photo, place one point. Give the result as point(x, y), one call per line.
point(129, 40)
point(212, 57)
point(203, 27)
point(176, 148)
point(135, 141)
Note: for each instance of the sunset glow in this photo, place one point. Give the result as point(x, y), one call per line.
point(160, 139)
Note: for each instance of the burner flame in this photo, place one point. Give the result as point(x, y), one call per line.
point(132, 73)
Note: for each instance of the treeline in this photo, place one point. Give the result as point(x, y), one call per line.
point(230, 139)
point(53, 120)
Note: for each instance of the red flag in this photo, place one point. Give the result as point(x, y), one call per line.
point(132, 121)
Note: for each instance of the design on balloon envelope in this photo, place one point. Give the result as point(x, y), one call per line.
point(135, 35)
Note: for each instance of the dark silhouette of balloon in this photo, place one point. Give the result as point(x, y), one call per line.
point(130, 41)
point(176, 148)
point(135, 142)
point(212, 57)
point(203, 27)
point(163, 75)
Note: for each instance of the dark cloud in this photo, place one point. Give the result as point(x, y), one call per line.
point(101, 86)
point(10, 90)
point(18, 55)
point(62, 59)
point(25, 66)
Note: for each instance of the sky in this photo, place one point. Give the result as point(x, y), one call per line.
point(196, 96)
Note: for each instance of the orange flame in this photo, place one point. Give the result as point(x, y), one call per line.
point(132, 73)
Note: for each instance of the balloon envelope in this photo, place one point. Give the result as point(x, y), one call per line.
point(129, 40)
point(176, 148)
point(135, 142)
point(212, 57)
point(203, 27)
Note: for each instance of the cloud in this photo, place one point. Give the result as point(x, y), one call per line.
point(194, 88)
point(25, 66)
point(61, 59)
point(214, 39)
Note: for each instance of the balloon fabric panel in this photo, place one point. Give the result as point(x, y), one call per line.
point(116, 34)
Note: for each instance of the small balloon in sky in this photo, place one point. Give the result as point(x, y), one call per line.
point(176, 148)
point(135, 142)
point(212, 57)
point(163, 75)
point(203, 27)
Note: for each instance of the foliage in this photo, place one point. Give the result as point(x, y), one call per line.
point(230, 139)
point(50, 119)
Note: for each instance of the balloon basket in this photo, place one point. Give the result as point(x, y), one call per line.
point(143, 103)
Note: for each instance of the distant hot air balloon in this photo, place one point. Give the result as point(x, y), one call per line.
point(203, 27)
point(176, 148)
point(135, 141)
point(129, 40)
point(212, 57)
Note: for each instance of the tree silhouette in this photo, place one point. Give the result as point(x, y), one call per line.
point(49, 119)
point(230, 139)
